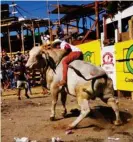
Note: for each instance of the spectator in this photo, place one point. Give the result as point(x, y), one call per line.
point(1, 78)
point(26, 57)
point(11, 77)
point(6, 58)
point(13, 73)
point(45, 39)
point(19, 57)
point(29, 83)
point(5, 80)
point(59, 33)
point(20, 71)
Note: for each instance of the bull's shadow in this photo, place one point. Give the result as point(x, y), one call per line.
point(102, 112)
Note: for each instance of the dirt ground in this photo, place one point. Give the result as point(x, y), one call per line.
point(30, 118)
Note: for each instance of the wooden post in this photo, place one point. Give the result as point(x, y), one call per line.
point(120, 22)
point(132, 95)
point(116, 35)
point(38, 30)
point(9, 43)
point(27, 32)
point(130, 23)
point(119, 94)
point(22, 39)
point(67, 29)
point(51, 35)
point(83, 22)
point(58, 12)
point(39, 35)
point(97, 19)
point(104, 28)
point(94, 24)
point(33, 34)
point(77, 25)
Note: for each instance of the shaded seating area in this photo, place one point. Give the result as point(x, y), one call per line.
point(21, 34)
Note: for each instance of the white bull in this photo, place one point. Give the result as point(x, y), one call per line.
point(85, 81)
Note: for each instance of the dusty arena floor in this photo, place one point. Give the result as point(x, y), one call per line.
point(30, 118)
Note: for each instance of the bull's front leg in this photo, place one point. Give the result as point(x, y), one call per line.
point(54, 92)
point(63, 100)
point(85, 109)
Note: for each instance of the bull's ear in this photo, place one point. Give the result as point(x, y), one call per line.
point(51, 62)
point(47, 56)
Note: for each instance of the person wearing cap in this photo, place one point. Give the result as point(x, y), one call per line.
point(74, 53)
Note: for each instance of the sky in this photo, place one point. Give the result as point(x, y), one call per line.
point(38, 9)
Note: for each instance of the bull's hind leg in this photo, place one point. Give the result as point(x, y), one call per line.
point(112, 102)
point(54, 92)
point(85, 109)
point(108, 97)
point(63, 100)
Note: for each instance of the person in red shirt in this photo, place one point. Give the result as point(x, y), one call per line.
point(74, 53)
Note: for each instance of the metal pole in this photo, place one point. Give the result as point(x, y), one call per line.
point(104, 28)
point(9, 43)
point(33, 34)
point(22, 39)
point(83, 22)
point(13, 9)
point(39, 34)
point(50, 30)
point(77, 25)
point(67, 30)
point(58, 11)
point(97, 18)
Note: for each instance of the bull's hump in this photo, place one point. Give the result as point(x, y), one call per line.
point(87, 68)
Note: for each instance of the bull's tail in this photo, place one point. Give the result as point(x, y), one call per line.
point(81, 75)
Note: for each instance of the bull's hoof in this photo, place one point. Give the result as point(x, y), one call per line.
point(52, 118)
point(69, 128)
point(44, 92)
point(64, 114)
point(117, 122)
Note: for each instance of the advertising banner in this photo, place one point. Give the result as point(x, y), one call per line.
point(91, 51)
point(108, 62)
point(124, 65)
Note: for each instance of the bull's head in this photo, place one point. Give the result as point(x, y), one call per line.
point(38, 58)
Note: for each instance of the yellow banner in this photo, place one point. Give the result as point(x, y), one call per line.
point(92, 52)
point(124, 65)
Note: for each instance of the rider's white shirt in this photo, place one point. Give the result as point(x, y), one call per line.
point(73, 48)
point(45, 40)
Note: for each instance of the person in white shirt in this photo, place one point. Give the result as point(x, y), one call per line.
point(74, 53)
point(45, 39)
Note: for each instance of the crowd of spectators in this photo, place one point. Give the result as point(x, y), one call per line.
point(9, 69)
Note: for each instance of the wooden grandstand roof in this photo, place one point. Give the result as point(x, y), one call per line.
point(15, 24)
point(74, 12)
